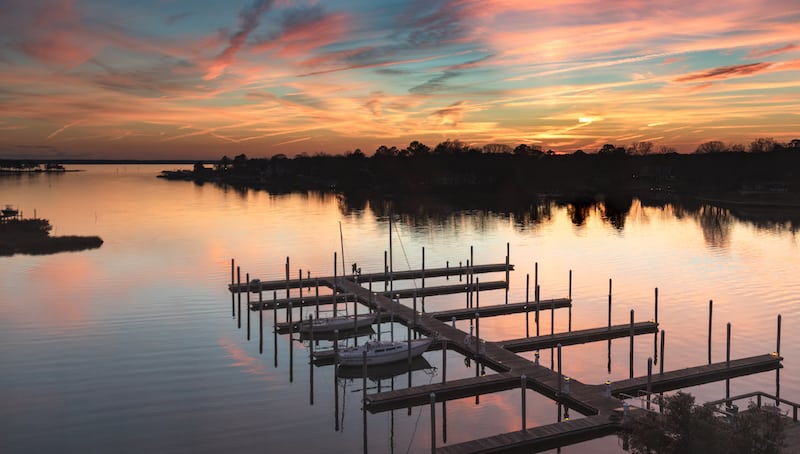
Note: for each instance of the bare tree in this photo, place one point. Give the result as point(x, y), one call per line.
point(640, 148)
point(762, 145)
point(497, 148)
point(712, 146)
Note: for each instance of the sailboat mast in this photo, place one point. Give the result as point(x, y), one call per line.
point(391, 262)
point(341, 241)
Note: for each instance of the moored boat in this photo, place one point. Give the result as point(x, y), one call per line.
point(343, 322)
point(383, 352)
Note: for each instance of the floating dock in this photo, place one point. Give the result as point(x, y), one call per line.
point(597, 403)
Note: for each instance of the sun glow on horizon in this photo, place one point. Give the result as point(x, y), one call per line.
point(94, 79)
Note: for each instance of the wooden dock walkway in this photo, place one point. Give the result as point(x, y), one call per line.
point(527, 344)
point(500, 309)
point(539, 438)
point(445, 289)
point(693, 376)
point(596, 402)
point(282, 284)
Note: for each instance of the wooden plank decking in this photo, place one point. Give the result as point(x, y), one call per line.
point(501, 309)
point(537, 439)
point(578, 337)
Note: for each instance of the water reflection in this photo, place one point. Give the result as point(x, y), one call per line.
point(715, 220)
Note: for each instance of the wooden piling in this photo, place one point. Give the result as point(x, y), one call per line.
point(560, 375)
point(335, 280)
point(527, 316)
point(569, 323)
point(385, 271)
point(728, 360)
point(661, 364)
point(508, 275)
point(477, 334)
point(316, 299)
point(710, 314)
point(260, 323)
point(311, 360)
point(423, 279)
point(275, 326)
point(778, 340)
point(538, 304)
point(649, 380)
point(478, 293)
point(524, 387)
point(364, 398)
point(655, 335)
point(239, 296)
point(300, 317)
point(433, 423)
point(233, 297)
point(631, 352)
point(609, 303)
point(552, 317)
point(287, 277)
point(444, 360)
point(247, 276)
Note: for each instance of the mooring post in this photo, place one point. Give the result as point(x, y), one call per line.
point(377, 318)
point(300, 280)
point(260, 323)
point(287, 277)
point(460, 270)
point(447, 270)
point(538, 307)
point(552, 317)
point(477, 293)
point(291, 349)
point(778, 370)
point(335, 302)
point(385, 271)
point(710, 313)
point(239, 296)
point(631, 353)
point(524, 387)
point(247, 305)
point(414, 304)
point(655, 335)
point(609, 304)
point(364, 397)
point(569, 326)
point(778, 341)
point(433, 423)
point(311, 360)
point(560, 375)
point(355, 321)
point(336, 379)
point(527, 294)
point(289, 317)
point(444, 360)
point(316, 298)
point(661, 364)
point(649, 380)
point(423, 279)
point(335, 279)
point(275, 325)
point(508, 263)
point(467, 288)
point(728, 362)
point(477, 334)
point(233, 297)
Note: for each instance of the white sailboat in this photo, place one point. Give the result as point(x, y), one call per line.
point(383, 352)
point(342, 323)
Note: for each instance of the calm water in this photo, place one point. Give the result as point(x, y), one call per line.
point(132, 348)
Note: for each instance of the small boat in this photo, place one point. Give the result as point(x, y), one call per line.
point(383, 352)
point(342, 323)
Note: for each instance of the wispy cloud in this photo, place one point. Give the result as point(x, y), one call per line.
point(249, 19)
point(726, 72)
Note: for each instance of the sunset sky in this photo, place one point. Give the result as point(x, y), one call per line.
point(206, 78)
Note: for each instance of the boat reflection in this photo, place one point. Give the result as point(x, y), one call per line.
point(384, 371)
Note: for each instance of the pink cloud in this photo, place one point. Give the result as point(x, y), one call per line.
point(726, 72)
point(248, 21)
point(770, 52)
